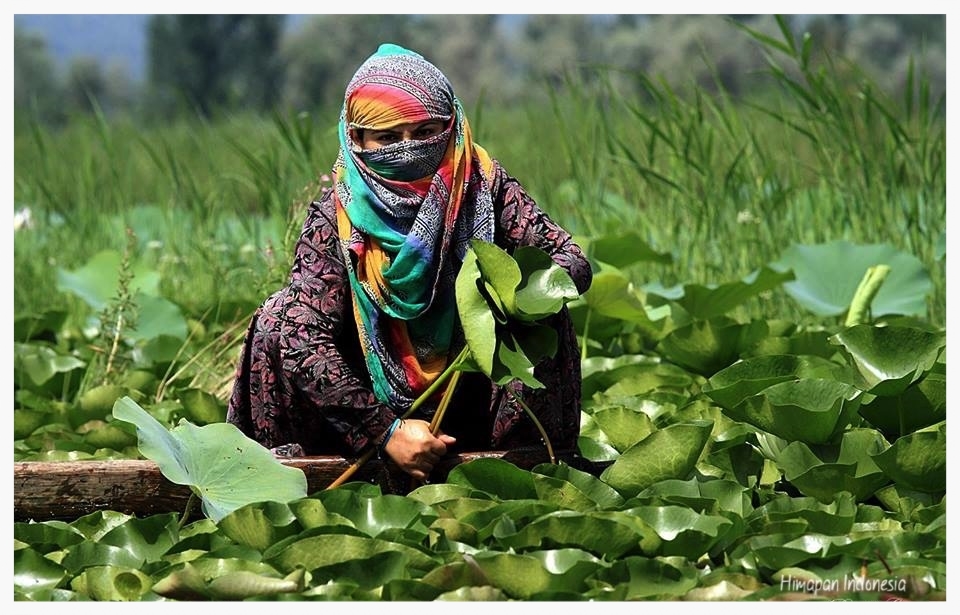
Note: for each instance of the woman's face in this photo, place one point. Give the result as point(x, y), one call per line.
point(418, 131)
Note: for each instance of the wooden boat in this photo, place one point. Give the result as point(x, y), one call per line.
point(67, 490)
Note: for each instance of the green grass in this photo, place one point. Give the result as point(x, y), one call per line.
point(722, 185)
point(726, 185)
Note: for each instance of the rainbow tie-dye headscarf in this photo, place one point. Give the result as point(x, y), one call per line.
point(405, 215)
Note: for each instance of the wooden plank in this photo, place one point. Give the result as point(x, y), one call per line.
point(70, 489)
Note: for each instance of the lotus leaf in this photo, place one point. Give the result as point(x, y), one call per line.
point(671, 452)
point(812, 410)
point(260, 525)
point(518, 576)
point(97, 281)
point(220, 578)
point(828, 275)
point(704, 496)
point(111, 583)
point(310, 513)
point(373, 515)
point(683, 531)
point(148, 538)
point(834, 518)
point(496, 477)
point(824, 471)
point(562, 493)
point(222, 466)
point(602, 534)
point(613, 295)
point(49, 536)
point(705, 302)
point(622, 427)
point(35, 365)
point(922, 404)
point(707, 346)
point(32, 571)
point(918, 460)
point(890, 359)
point(623, 250)
point(327, 549)
point(504, 339)
point(641, 578)
point(732, 385)
point(601, 494)
point(88, 554)
point(436, 493)
point(643, 373)
point(367, 573)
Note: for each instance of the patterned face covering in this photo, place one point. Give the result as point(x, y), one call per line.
point(407, 160)
point(405, 215)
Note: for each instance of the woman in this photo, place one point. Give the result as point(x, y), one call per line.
point(368, 319)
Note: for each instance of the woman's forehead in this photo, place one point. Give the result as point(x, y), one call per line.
point(410, 126)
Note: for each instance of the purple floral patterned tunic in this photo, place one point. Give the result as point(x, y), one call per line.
point(302, 386)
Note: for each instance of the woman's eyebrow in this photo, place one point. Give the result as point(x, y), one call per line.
point(399, 131)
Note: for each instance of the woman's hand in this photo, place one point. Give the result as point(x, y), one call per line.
point(415, 449)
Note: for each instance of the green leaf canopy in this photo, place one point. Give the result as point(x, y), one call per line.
point(500, 299)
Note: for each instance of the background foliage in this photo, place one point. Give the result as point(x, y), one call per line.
point(716, 145)
point(219, 63)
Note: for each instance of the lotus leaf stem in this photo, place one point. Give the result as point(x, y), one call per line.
point(868, 289)
point(188, 509)
point(543, 433)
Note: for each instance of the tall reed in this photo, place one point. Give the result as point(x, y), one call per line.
point(726, 185)
point(723, 185)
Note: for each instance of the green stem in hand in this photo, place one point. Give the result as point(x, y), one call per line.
point(452, 369)
point(438, 415)
point(439, 382)
point(444, 403)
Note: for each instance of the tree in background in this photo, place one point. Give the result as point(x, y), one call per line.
point(86, 85)
point(551, 45)
point(469, 51)
point(210, 63)
point(91, 87)
point(884, 45)
point(703, 51)
point(203, 64)
point(322, 53)
point(35, 85)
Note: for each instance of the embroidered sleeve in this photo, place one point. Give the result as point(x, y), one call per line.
point(318, 343)
point(522, 223)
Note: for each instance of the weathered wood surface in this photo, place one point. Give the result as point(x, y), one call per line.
point(69, 489)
